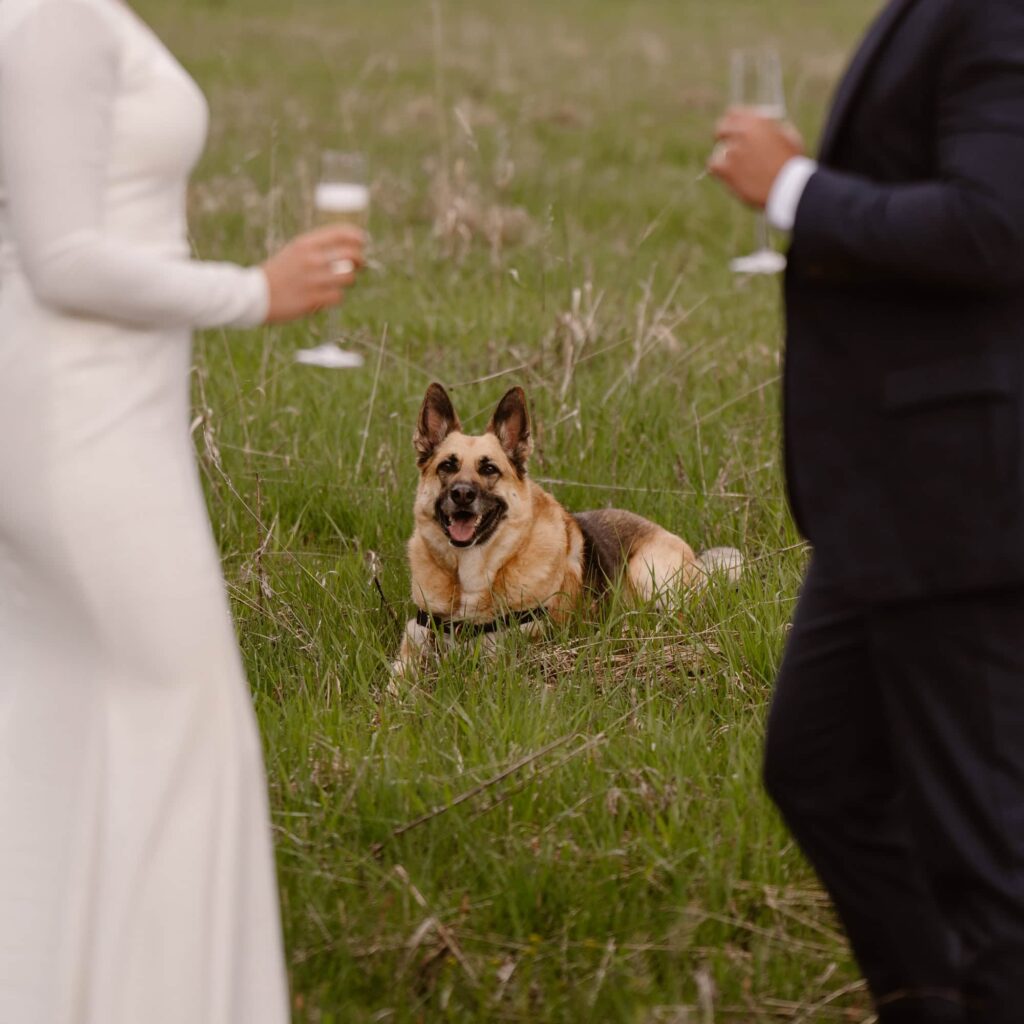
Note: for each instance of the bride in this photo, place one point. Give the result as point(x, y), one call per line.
point(136, 870)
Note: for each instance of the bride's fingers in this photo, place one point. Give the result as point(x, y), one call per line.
point(312, 271)
point(335, 272)
point(352, 253)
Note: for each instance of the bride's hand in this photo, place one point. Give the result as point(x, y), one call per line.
point(312, 271)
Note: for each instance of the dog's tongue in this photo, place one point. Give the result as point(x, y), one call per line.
point(462, 530)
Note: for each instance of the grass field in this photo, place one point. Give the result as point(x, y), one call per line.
point(576, 831)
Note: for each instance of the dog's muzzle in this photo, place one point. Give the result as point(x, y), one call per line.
point(467, 516)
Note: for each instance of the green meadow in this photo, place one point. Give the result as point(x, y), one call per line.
point(574, 830)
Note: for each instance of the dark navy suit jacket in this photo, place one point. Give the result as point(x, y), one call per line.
point(905, 310)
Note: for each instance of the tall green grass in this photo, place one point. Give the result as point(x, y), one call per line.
point(573, 830)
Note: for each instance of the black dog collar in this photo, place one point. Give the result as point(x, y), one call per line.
point(460, 627)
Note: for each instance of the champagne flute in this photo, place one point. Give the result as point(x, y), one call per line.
point(342, 196)
point(756, 83)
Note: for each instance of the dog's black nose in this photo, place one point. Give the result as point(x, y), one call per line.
point(463, 494)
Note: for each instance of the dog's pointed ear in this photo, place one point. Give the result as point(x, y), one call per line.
point(437, 420)
point(511, 425)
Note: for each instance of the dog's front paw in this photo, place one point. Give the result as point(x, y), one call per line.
point(403, 668)
point(415, 649)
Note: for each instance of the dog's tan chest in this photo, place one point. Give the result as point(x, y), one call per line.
point(475, 585)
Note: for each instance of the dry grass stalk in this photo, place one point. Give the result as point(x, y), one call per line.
point(575, 329)
point(435, 923)
point(464, 216)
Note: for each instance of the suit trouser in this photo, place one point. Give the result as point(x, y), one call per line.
point(895, 751)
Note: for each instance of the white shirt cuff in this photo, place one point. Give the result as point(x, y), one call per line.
point(787, 191)
point(255, 294)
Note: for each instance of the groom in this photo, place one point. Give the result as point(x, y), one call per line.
point(895, 744)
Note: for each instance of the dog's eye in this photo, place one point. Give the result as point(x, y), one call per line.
point(450, 465)
point(489, 469)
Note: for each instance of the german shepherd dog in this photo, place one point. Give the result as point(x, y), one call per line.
point(492, 550)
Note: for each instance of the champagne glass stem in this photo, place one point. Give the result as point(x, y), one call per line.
point(762, 239)
point(334, 324)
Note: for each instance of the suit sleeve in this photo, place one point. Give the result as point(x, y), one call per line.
point(60, 72)
point(965, 228)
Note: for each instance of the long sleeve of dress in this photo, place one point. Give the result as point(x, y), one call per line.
point(60, 71)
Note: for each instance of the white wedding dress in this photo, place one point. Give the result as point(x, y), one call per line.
point(136, 872)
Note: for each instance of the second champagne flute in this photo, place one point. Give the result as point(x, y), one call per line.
point(342, 196)
point(756, 83)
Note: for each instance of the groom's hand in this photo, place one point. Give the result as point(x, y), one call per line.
point(750, 152)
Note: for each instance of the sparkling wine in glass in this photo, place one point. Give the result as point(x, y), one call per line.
point(756, 83)
point(342, 196)
point(342, 193)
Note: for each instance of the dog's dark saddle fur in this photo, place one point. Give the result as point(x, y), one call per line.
point(610, 536)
